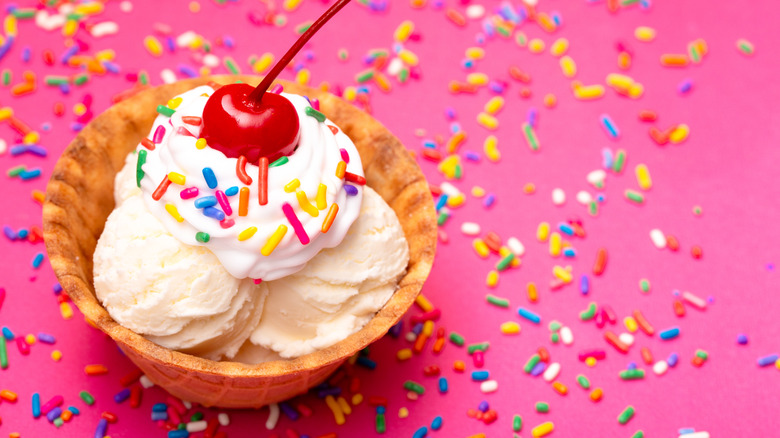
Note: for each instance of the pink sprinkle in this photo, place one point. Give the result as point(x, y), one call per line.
point(183, 131)
point(258, 280)
point(55, 401)
point(159, 133)
point(177, 405)
point(24, 347)
point(479, 359)
point(278, 88)
point(189, 193)
point(226, 223)
point(296, 223)
point(315, 103)
point(344, 155)
point(224, 203)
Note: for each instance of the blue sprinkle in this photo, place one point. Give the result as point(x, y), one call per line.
point(490, 199)
point(450, 113)
point(436, 423)
point(36, 405)
point(472, 156)
point(206, 201)
point(8, 334)
point(584, 284)
point(395, 331)
point(74, 410)
point(569, 252)
point(538, 369)
point(122, 395)
point(767, 360)
point(608, 159)
point(645, 4)
point(601, 198)
point(30, 174)
point(556, 18)
point(609, 125)
point(417, 329)
point(211, 179)
point(429, 144)
point(170, 44)
point(366, 362)
point(26, 53)
point(46, 126)
point(742, 339)
point(631, 366)
point(54, 414)
point(566, 229)
point(479, 376)
point(421, 432)
point(159, 407)
point(443, 385)
point(442, 201)
point(363, 90)
point(669, 333)
point(672, 360)
point(232, 191)
point(214, 213)
point(57, 288)
point(380, 410)
point(179, 433)
point(350, 189)
point(483, 406)
point(18, 149)
point(100, 432)
point(527, 314)
point(22, 234)
point(289, 411)
point(159, 416)
point(467, 63)
point(686, 430)
point(36, 263)
point(455, 127)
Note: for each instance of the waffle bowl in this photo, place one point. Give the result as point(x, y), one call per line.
point(80, 196)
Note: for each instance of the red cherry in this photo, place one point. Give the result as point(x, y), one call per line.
point(235, 125)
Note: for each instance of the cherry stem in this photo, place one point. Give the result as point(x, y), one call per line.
point(256, 96)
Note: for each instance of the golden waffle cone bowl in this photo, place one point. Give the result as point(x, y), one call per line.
point(80, 197)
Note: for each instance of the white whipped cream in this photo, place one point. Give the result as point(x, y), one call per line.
point(313, 162)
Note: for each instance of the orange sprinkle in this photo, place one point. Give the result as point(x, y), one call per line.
point(644, 325)
point(243, 201)
point(596, 394)
point(560, 388)
point(673, 60)
point(341, 169)
point(332, 212)
point(95, 370)
point(459, 366)
point(647, 356)
point(8, 395)
point(456, 17)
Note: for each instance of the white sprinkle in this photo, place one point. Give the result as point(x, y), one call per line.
point(3, 146)
point(488, 386)
point(694, 301)
point(395, 66)
point(596, 178)
point(660, 367)
point(66, 8)
point(187, 404)
point(696, 435)
point(49, 22)
point(475, 12)
point(658, 238)
point(103, 29)
point(531, 2)
point(552, 372)
point(567, 337)
point(185, 39)
point(449, 189)
point(223, 419)
point(584, 197)
point(273, 416)
point(196, 426)
point(470, 228)
point(145, 382)
point(211, 60)
point(515, 246)
point(558, 196)
point(126, 6)
point(626, 338)
point(411, 337)
point(168, 76)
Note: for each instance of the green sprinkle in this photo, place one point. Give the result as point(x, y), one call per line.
point(693, 53)
point(505, 262)
point(635, 374)
point(531, 363)
point(554, 326)
point(542, 407)
point(381, 427)
point(626, 415)
point(74, 16)
point(745, 46)
point(139, 171)
point(343, 54)
point(442, 219)
point(503, 31)
point(702, 354)
point(587, 315)
point(58, 422)
point(87, 397)
point(311, 112)
point(414, 386)
point(638, 434)
point(403, 75)
point(555, 338)
point(496, 301)
point(620, 161)
point(364, 76)
point(628, 2)
point(23, 13)
point(530, 137)
point(202, 237)
point(633, 195)
point(143, 78)
point(697, 210)
point(231, 65)
point(593, 208)
point(55, 81)
point(3, 353)
point(376, 53)
point(517, 423)
point(279, 162)
point(521, 39)
point(457, 339)
point(81, 79)
point(644, 285)
point(164, 110)
point(15, 171)
point(197, 416)
point(583, 381)
point(482, 346)
point(181, 426)
point(6, 77)
point(458, 171)
point(303, 27)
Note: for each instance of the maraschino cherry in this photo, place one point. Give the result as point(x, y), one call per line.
point(239, 120)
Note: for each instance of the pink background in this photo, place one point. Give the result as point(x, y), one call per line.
point(727, 166)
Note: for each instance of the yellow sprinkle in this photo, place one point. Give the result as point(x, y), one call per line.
point(292, 185)
point(475, 53)
point(338, 414)
point(423, 303)
point(492, 279)
point(350, 94)
point(644, 34)
point(590, 361)
point(173, 211)
point(529, 189)
point(56, 355)
point(79, 109)
point(562, 274)
point(291, 5)
point(306, 206)
point(404, 354)
point(322, 203)
point(543, 232)
point(777, 364)
point(477, 79)
point(536, 45)
point(550, 100)
point(153, 46)
point(303, 77)
point(30, 339)
point(630, 323)
point(6, 113)
point(247, 234)
point(200, 143)
point(533, 294)
point(542, 429)
point(510, 328)
point(345, 407)
point(408, 57)
point(619, 82)
point(273, 240)
point(403, 413)
point(174, 103)
point(177, 178)
point(66, 310)
point(643, 177)
point(31, 138)
point(568, 67)
point(204, 71)
point(481, 248)
point(494, 105)
point(90, 8)
point(624, 61)
point(70, 28)
point(487, 121)
point(477, 192)
point(491, 148)
point(636, 90)
point(357, 399)
point(194, 7)
point(428, 328)
point(559, 47)
point(403, 31)
point(456, 201)
point(588, 92)
point(679, 134)
point(10, 25)
point(263, 63)
point(555, 244)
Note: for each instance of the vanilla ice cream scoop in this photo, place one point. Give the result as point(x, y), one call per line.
point(340, 289)
point(178, 296)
